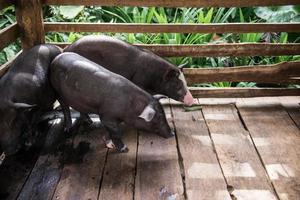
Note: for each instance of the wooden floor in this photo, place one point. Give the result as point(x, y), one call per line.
point(230, 149)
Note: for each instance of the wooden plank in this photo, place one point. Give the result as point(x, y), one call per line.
point(119, 174)
point(170, 3)
point(8, 35)
point(171, 28)
point(83, 165)
point(277, 140)
point(292, 106)
point(5, 66)
point(219, 50)
point(46, 173)
point(158, 172)
point(285, 72)
point(14, 172)
point(30, 20)
point(202, 172)
point(237, 155)
point(236, 92)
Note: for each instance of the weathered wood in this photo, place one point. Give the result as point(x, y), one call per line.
point(83, 165)
point(277, 140)
point(5, 66)
point(242, 92)
point(119, 174)
point(219, 50)
point(46, 173)
point(158, 172)
point(170, 3)
point(202, 172)
point(30, 21)
point(8, 35)
point(14, 172)
point(292, 106)
point(237, 155)
point(171, 28)
point(285, 72)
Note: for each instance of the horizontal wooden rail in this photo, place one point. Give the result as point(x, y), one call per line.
point(172, 3)
point(5, 66)
point(242, 92)
point(172, 28)
point(8, 35)
point(219, 50)
point(286, 72)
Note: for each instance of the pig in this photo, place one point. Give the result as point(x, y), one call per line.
point(91, 89)
point(145, 69)
point(25, 92)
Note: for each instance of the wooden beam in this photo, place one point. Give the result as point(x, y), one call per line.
point(30, 21)
point(242, 92)
point(171, 3)
point(171, 28)
point(5, 66)
point(219, 50)
point(8, 35)
point(285, 72)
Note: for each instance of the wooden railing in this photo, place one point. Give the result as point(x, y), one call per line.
point(33, 32)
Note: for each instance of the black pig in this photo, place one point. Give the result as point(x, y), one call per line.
point(90, 88)
point(147, 70)
point(25, 90)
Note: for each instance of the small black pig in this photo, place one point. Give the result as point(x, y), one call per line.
point(25, 91)
point(90, 88)
point(145, 69)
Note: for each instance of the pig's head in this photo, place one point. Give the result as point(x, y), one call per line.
point(174, 86)
point(12, 121)
point(153, 119)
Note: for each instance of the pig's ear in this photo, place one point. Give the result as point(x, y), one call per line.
point(148, 113)
point(171, 73)
point(159, 96)
point(182, 66)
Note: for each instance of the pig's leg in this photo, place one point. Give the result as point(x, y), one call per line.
point(115, 135)
point(67, 115)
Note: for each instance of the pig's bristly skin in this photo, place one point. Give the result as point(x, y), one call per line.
point(90, 88)
point(24, 86)
point(142, 67)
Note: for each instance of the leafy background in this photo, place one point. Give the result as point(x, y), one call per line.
point(174, 15)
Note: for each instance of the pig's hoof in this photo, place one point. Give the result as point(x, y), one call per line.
point(124, 149)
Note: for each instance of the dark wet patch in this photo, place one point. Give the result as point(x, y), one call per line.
point(73, 155)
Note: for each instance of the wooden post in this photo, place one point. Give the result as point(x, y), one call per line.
point(30, 21)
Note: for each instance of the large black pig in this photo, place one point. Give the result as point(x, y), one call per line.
point(90, 88)
point(147, 70)
point(25, 91)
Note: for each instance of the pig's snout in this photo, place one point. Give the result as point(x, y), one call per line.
point(188, 98)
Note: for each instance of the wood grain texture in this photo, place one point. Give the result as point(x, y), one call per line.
point(285, 72)
point(158, 172)
point(171, 28)
point(119, 174)
point(277, 140)
point(219, 50)
point(241, 92)
point(8, 35)
point(237, 155)
point(83, 165)
point(30, 21)
point(202, 172)
point(292, 106)
point(170, 3)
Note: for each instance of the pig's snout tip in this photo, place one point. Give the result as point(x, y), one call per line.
point(188, 99)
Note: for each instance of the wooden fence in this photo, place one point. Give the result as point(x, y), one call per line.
point(31, 28)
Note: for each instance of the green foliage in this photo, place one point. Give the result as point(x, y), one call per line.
point(279, 13)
